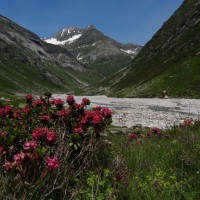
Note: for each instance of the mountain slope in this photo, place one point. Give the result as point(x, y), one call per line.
point(169, 64)
point(29, 64)
point(99, 53)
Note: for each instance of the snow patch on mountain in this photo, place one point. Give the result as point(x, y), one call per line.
point(72, 39)
point(57, 42)
point(54, 41)
point(84, 46)
point(94, 44)
point(79, 57)
point(129, 51)
point(63, 32)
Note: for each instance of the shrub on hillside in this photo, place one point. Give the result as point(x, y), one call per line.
point(46, 145)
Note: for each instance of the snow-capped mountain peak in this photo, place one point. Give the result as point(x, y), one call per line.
point(91, 46)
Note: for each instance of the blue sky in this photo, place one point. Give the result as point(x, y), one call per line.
point(126, 21)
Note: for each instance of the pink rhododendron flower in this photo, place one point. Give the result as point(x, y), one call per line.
point(41, 98)
point(77, 106)
point(52, 163)
point(94, 117)
point(30, 145)
point(107, 112)
point(17, 114)
point(70, 100)
point(45, 118)
point(51, 136)
point(19, 157)
point(2, 150)
point(156, 130)
point(92, 113)
point(57, 102)
point(84, 120)
point(63, 113)
point(7, 165)
point(29, 97)
point(39, 132)
point(97, 119)
point(27, 110)
point(8, 109)
point(37, 102)
point(79, 130)
point(187, 122)
point(98, 108)
point(32, 156)
point(133, 136)
point(85, 102)
point(4, 134)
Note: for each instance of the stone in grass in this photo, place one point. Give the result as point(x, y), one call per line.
point(164, 91)
point(166, 97)
point(4, 99)
point(22, 105)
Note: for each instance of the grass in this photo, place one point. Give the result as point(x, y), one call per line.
point(163, 166)
point(11, 99)
point(95, 72)
point(17, 76)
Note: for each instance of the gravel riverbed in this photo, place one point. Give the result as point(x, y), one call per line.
point(162, 113)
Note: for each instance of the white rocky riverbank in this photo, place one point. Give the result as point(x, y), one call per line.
point(161, 113)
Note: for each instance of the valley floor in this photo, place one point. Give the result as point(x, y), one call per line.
point(154, 112)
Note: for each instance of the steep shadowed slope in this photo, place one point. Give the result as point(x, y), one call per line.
point(168, 65)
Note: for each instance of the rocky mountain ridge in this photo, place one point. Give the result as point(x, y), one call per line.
point(76, 40)
point(94, 49)
point(28, 62)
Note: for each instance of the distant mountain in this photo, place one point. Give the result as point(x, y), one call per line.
point(168, 65)
point(29, 64)
point(98, 52)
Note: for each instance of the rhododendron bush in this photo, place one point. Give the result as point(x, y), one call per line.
point(49, 141)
